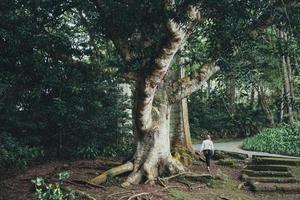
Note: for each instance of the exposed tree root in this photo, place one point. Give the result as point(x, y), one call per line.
point(117, 193)
point(161, 182)
point(84, 183)
point(188, 185)
point(77, 184)
point(132, 196)
point(138, 195)
point(190, 175)
point(78, 193)
point(102, 178)
point(176, 175)
point(151, 169)
point(198, 156)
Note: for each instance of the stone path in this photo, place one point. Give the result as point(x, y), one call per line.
point(235, 147)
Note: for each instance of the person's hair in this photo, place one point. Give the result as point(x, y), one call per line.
point(207, 136)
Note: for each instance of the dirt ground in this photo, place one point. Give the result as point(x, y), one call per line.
point(18, 186)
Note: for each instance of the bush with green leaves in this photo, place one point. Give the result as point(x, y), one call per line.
point(53, 191)
point(93, 151)
point(15, 155)
point(283, 139)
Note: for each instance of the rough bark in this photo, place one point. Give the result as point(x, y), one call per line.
point(181, 143)
point(281, 108)
point(252, 96)
point(112, 172)
point(153, 154)
point(186, 86)
point(287, 78)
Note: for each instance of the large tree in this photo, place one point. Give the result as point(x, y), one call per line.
point(147, 35)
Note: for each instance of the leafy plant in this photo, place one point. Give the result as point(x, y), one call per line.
point(284, 139)
point(15, 155)
point(52, 191)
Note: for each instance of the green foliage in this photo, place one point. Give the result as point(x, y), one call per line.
point(180, 195)
point(284, 139)
point(210, 115)
point(119, 150)
point(15, 155)
point(92, 152)
point(59, 61)
point(52, 191)
point(57, 85)
point(247, 95)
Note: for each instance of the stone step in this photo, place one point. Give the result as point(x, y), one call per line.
point(220, 154)
point(276, 161)
point(275, 187)
point(281, 168)
point(270, 179)
point(252, 173)
point(281, 157)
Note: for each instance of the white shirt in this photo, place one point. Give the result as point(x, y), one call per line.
point(207, 145)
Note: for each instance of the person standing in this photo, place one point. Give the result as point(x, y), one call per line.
point(207, 148)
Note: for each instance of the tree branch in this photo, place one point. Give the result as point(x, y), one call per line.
point(186, 86)
point(153, 72)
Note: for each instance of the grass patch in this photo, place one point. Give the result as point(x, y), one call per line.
point(217, 189)
point(225, 189)
point(284, 139)
point(180, 195)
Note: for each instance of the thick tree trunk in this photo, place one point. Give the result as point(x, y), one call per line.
point(264, 105)
point(186, 126)
point(181, 143)
point(252, 97)
point(208, 89)
point(281, 109)
point(287, 78)
point(153, 156)
point(287, 90)
point(152, 114)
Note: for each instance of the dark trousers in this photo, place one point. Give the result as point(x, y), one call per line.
point(207, 154)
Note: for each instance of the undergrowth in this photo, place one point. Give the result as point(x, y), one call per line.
point(283, 139)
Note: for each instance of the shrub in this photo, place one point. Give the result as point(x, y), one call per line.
point(93, 151)
point(15, 155)
point(52, 191)
point(284, 139)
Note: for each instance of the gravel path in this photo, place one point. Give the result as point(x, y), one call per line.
point(235, 147)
